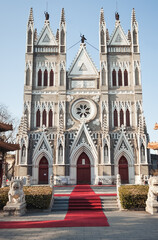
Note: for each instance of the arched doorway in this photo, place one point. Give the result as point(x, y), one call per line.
point(123, 170)
point(83, 169)
point(43, 171)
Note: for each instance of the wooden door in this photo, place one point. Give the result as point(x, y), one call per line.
point(123, 170)
point(83, 169)
point(43, 171)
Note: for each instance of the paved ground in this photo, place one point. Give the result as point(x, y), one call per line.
point(123, 225)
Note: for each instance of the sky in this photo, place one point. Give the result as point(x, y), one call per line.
point(82, 17)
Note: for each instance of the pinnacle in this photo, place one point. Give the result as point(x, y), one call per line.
point(31, 15)
point(102, 16)
point(63, 16)
point(133, 15)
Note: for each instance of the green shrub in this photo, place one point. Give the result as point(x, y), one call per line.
point(37, 197)
point(3, 196)
point(133, 196)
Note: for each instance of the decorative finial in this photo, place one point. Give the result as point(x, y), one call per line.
point(133, 15)
point(82, 38)
point(102, 15)
point(31, 15)
point(62, 15)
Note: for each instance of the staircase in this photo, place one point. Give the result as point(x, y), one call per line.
point(106, 203)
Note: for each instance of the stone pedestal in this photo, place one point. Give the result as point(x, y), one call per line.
point(12, 209)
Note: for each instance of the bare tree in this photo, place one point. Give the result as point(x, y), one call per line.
point(6, 117)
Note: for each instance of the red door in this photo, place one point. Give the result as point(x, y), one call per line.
point(123, 170)
point(83, 169)
point(43, 171)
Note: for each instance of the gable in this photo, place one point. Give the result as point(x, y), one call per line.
point(118, 37)
point(46, 37)
point(82, 64)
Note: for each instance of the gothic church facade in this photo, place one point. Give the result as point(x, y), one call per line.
point(84, 126)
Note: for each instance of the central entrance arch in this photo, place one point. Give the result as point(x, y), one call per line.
point(83, 169)
point(43, 171)
point(123, 170)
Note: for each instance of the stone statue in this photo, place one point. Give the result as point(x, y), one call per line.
point(16, 205)
point(82, 38)
point(46, 15)
point(152, 200)
point(16, 194)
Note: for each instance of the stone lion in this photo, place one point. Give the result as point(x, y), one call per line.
point(153, 189)
point(16, 194)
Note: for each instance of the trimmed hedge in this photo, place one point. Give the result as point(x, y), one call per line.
point(133, 196)
point(37, 197)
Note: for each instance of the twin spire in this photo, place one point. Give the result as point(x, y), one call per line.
point(31, 15)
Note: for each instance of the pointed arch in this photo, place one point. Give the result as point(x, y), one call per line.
point(44, 117)
point(142, 149)
point(135, 37)
point(62, 77)
point(60, 154)
point(114, 77)
point(125, 78)
point(106, 153)
point(103, 77)
point(136, 76)
point(62, 40)
point(39, 77)
point(28, 77)
point(115, 118)
point(121, 117)
point(45, 77)
point(120, 77)
point(50, 122)
point(102, 37)
point(51, 78)
point(29, 39)
point(38, 118)
point(23, 154)
point(127, 118)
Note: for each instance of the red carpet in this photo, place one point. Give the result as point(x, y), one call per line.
point(84, 211)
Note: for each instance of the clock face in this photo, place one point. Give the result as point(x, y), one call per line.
point(83, 110)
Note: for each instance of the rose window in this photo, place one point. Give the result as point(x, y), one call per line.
point(83, 110)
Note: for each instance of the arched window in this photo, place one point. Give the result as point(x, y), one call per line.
point(102, 37)
point(120, 77)
point(39, 77)
point(121, 117)
point(136, 76)
point(134, 37)
point(103, 77)
point(44, 117)
point(23, 154)
point(29, 37)
point(125, 78)
point(60, 154)
point(142, 149)
point(62, 77)
point(38, 118)
point(114, 77)
point(45, 78)
point(106, 153)
point(50, 118)
point(28, 77)
point(51, 78)
point(62, 37)
point(115, 118)
point(127, 118)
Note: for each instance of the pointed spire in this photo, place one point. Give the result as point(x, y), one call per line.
point(107, 35)
point(102, 20)
point(62, 16)
point(35, 35)
point(129, 35)
point(57, 35)
point(31, 15)
point(133, 16)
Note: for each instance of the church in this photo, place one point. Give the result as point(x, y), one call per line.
point(83, 125)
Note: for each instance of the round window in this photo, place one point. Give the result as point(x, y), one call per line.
point(83, 110)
